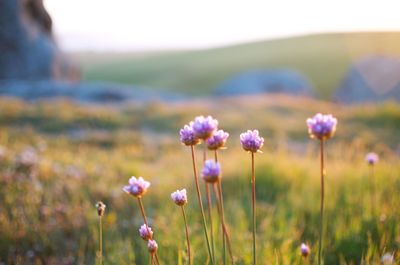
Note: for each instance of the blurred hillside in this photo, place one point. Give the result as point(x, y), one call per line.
point(324, 59)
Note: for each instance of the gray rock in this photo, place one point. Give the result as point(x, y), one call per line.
point(27, 48)
point(371, 79)
point(81, 92)
point(266, 81)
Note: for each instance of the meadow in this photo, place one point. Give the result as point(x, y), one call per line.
point(59, 158)
point(323, 58)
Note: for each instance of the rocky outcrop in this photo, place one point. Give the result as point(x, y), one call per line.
point(27, 48)
point(371, 79)
point(266, 81)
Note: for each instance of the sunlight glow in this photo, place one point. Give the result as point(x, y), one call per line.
point(174, 24)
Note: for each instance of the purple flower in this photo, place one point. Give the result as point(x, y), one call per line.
point(101, 208)
point(136, 187)
point(145, 232)
point(179, 197)
point(321, 126)
point(204, 127)
point(372, 158)
point(387, 259)
point(217, 140)
point(187, 136)
point(152, 246)
point(211, 171)
point(305, 250)
point(251, 141)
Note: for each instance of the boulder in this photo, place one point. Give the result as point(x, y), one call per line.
point(285, 81)
point(371, 79)
point(27, 47)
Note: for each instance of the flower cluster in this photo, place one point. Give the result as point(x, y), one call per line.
point(305, 250)
point(372, 158)
point(204, 127)
point(217, 140)
point(179, 197)
point(187, 136)
point(211, 171)
point(137, 187)
point(251, 141)
point(321, 126)
point(145, 232)
point(101, 208)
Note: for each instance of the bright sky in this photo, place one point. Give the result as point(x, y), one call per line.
point(171, 24)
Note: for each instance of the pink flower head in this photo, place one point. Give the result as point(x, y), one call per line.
point(187, 136)
point(372, 158)
point(251, 141)
point(217, 140)
point(145, 232)
point(137, 187)
point(204, 127)
point(179, 197)
point(152, 246)
point(321, 126)
point(211, 171)
point(305, 250)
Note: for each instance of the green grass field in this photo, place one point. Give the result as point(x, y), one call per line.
point(82, 154)
point(324, 59)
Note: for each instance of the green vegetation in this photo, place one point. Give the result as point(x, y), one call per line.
point(87, 153)
point(324, 59)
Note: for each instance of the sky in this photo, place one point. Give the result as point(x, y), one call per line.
point(138, 25)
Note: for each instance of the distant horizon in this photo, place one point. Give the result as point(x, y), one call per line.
point(226, 45)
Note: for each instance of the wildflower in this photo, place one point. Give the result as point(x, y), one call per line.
point(251, 141)
point(211, 171)
point(28, 157)
point(387, 259)
point(372, 158)
point(321, 126)
point(179, 197)
point(204, 127)
point(101, 208)
point(187, 136)
point(217, 140)
point(152, 246)
point(137, 187)
point(305, 250)
point(145, 232)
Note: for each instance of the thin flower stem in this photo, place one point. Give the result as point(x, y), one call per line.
point(209, 206)
point(372, 189)
point(101, 240)
point(220, 212)
point(253, 200)
point(196, 179)
point(187, 234)
point(225, 229)
point(321, 224)
point(146, 223)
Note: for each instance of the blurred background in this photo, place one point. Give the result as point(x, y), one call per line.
point(95, 91)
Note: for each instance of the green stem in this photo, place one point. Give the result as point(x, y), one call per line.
point(196, 179)
point(101, 240)
point(253, 200)
point(321, 224)
point(209, 206)
point(372, 189)
point(187, 235)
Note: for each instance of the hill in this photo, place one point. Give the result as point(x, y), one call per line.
point(323, 58)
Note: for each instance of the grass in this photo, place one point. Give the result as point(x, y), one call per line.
point(324, 59)
point(47, 211)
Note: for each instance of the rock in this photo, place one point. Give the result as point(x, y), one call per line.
point(371, 79)
point(81, 92)
point(266, 81)
point(27, 48)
